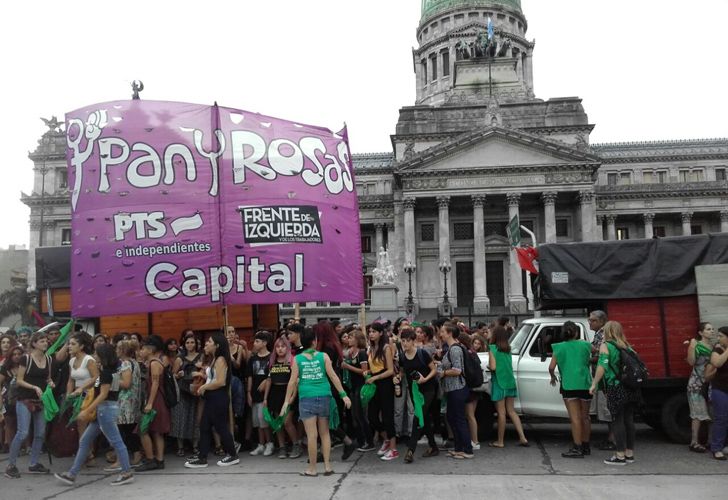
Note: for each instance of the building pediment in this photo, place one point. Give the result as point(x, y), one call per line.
point(493, 148)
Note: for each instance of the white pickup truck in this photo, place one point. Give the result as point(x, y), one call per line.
point(531, 353)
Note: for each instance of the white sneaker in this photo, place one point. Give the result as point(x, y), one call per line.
point(476, 446)
point(384, 449)
point(268, 450)
point(258, 450)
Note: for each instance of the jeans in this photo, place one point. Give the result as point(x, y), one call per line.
point(24, 418)
point(623, 427)
point(719, 400)
point(107, 414)
point(215, 415)
point(456, 418)
point(426, 429)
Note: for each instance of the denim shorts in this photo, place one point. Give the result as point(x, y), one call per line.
point(313, 407)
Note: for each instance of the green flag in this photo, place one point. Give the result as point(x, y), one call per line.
point(367, 392)
point(418, 400)
point(276, 423)
point(65, 332)
point(146, 421)
point(50, 407)
point(333, 413)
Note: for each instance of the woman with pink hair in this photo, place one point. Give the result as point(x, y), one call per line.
point(275, 395)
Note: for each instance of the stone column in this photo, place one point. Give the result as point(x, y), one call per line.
point(549, 204)
point(611, 229)
point(649, 219)
point(600, 228)
point(481, 302)
point(687, 218)
point(529, 71)
point(443, 224)
point(410, 243)
point(379, 238)
point(516, 300)
point(724, 221)
point(586, 200)
point(396, 243)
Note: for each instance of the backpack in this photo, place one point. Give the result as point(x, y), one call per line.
point(472, 372)
point(170, 388)
point(632, 371)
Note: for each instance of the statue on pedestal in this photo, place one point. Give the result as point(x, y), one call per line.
point(384, 273)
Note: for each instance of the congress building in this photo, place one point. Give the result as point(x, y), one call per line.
point(477, 147)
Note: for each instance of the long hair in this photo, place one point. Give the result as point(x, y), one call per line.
point(326, 339)
point(8, 364)
point(11, 340)
point(222, 351)
point(85, 341)
point(282, 340)
point(128, 348)
point(107, 356)
point(378, 348)
point(500, 338)
point(613, 331)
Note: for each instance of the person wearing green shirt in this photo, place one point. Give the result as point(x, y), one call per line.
point(503, 385)
point(310, 375)
point(573, 357)
point(622, 402)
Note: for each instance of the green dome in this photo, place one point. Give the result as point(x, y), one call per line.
point(431, 7)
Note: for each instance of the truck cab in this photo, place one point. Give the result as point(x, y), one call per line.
point(531, 349)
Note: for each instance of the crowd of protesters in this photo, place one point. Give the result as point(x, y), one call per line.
point(305, 390)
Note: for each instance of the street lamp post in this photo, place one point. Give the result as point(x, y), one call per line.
point(445, 307)
point(410, 268)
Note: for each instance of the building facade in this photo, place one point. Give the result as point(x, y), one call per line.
point(477, 148)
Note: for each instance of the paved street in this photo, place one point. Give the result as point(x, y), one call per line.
point(662, 471)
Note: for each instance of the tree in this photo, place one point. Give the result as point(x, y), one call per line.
point(17, 301)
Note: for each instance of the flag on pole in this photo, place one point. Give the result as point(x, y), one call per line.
point(491, 31)
point(65, 332)
point(527, 257)
point(49, 302)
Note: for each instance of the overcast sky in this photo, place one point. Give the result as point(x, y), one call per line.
point(646, 70)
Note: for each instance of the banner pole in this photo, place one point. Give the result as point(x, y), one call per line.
point(297, 312)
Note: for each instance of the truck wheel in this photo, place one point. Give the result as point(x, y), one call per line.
point(652, 419)
point(676, 418)
point(484, 415)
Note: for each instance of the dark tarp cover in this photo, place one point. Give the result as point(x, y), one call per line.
point(575, 274)
point(53, 267)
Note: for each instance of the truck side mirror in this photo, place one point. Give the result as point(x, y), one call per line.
point(541, 349)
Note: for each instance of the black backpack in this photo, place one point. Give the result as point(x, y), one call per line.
point(632, 371)
point(170, 388)
point(472, 373)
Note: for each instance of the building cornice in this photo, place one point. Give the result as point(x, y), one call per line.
point(668, 190)
point(662, 151)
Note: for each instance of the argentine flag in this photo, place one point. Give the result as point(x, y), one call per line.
point(491, 32)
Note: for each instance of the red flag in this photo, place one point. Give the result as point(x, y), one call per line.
point(38, 318)
point(526, 257)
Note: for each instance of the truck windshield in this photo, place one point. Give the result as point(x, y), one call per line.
point(518, 340)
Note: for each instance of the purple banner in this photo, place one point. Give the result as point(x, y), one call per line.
point(178, 206)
